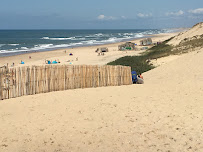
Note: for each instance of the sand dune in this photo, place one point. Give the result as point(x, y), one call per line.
point(196, 30)
point(164, 114)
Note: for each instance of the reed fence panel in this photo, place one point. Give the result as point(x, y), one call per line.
point(20, 81)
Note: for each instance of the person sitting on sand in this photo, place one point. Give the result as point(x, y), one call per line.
point(140, 76)
point(47, 61)
point(22, 62)
point(140, 79)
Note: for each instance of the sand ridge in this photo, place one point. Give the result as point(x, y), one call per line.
point(196, 30)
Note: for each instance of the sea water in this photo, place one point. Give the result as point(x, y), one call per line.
point(14, 42)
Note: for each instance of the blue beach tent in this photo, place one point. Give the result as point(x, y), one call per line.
point(54, 62)
point(134, 76)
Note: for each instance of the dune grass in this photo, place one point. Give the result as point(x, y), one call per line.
point(137, 63)
point(140, 63)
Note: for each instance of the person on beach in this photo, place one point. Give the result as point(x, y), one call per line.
point(140, 79)
point(140, 76)
point(22, 62)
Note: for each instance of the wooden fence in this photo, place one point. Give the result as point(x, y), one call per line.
point(20, 81)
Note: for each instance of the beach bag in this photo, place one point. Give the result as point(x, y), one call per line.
point(134, 76)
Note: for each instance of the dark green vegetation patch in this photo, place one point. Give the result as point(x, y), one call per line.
point(141, 63)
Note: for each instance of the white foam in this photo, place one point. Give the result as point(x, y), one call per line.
point(2, 51)
point(60, 38)
point(13, 44)
point(78, 38)
point(45, 45)
point(24, 48)
point(90, 42)
point(11, 51)
point(76, 44)
point(139, 35)
point(41, 46)
point(112, 40)
point(62, 45)
point(126, 34)
point(45, 38)
point(98, 35)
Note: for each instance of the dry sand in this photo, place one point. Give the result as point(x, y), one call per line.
point(164, 114)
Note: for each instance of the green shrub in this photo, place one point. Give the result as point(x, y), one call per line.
point(139, 63)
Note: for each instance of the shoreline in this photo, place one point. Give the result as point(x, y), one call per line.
point(86, 53)
point(43, 41)
point(61, 48)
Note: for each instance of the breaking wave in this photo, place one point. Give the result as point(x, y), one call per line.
point(49, 41)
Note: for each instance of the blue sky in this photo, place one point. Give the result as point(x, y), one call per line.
point(99, 14)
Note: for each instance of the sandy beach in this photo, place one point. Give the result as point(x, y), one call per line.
point(85, 55)
point(164, 114)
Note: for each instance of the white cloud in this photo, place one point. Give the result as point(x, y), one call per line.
point(141, 15)
point(196, 11)
point(123, 17)
point(103, 17)
point(179, 13)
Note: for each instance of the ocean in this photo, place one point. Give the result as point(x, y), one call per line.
point(14, 42)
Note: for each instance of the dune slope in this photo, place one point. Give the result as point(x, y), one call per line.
point(164, 114)
point(196, 31)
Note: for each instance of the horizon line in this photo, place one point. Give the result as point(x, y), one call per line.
point(103, 29)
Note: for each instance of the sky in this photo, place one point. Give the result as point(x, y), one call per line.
point(99, 14)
